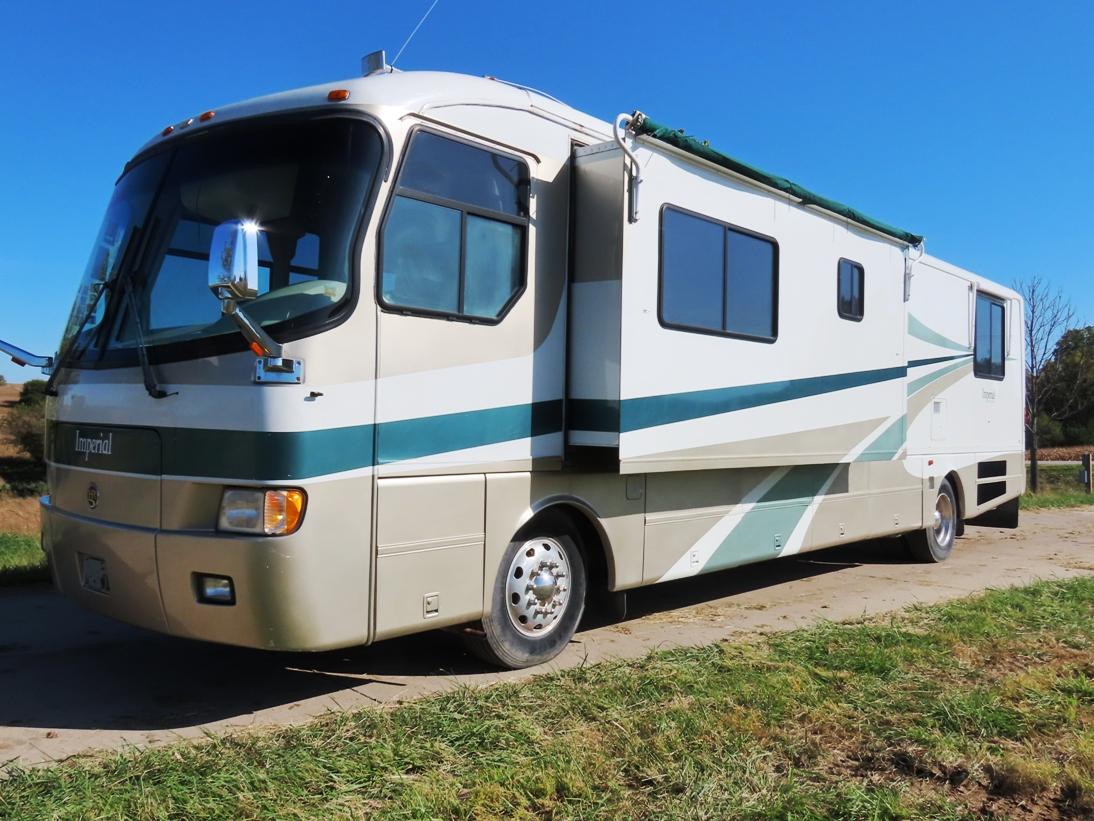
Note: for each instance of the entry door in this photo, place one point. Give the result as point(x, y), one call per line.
point(454, 388)
point(456, 375)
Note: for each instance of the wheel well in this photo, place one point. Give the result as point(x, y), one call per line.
point(958, 491)
point(959, 497)
point(592, 543)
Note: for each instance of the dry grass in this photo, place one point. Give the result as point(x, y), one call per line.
point(18, 511)
point(1063, 453)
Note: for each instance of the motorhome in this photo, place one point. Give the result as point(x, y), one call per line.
point(422, 350)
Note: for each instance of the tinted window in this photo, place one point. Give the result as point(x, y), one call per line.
point(454, 239)
point(750, 285)
point(692, 262)
point(458, 171)
point(850, 287)
point(303, 183)
point(989, 352)
point(717, 278)
point(422, 256)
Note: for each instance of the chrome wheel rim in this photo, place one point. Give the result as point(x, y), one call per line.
point(537, 589)
point(945, 520)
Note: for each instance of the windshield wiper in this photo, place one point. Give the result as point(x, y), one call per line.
point(150, 385)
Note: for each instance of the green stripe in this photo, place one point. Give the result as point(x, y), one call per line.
point(430, 435)
point(922, 381)
point(888, 443)
point(921, 331)
point(919, 363)
point(777, 512)
point(593, 414)
point(264, 455)
point(650, 411)
point(132, 450)
point(269, 456)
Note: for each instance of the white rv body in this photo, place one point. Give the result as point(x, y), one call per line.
point(427, 443)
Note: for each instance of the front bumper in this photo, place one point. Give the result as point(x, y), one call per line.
point(292, 593)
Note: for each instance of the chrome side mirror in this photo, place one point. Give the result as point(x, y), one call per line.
point(233, 278)
point(233, 261)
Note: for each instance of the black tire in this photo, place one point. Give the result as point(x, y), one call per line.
point(505, 644)
point(935, 543)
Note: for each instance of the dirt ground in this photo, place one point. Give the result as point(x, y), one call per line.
point(73, 682)
point(17, 515)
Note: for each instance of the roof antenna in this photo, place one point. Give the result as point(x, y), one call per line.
point(425, 16)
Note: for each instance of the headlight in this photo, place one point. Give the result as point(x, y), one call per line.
point(269, 512)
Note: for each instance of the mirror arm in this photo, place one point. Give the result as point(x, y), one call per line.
point(252, 331)
point(21, 357)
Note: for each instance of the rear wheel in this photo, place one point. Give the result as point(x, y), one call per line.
point(537, 599)
point(935, 543)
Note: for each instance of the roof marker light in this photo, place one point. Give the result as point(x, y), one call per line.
point(206, 116)
point(187, 122)
point(338, 95)
point(167, 131)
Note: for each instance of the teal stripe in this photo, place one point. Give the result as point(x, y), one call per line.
point(921, 331)
point(777, 512)
point(264, 455)
point(269, 456)
point(888, 443)
point(922, 381)
point(919, 363)
point(593, 414)
point(650, 411)
point(430, 435)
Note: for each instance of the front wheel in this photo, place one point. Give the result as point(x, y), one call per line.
point(537, 600)
point(935, 543)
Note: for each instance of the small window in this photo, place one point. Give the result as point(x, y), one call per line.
point(454, 239)
point(850, 290)
point(716, 278)
point(990, 347)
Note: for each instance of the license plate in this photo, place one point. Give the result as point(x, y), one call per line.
point(94, 575)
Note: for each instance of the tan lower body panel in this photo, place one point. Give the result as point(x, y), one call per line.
point(306, 591)
point(429, 552)
point(130, 589)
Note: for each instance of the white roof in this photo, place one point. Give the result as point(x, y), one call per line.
point(399, 93)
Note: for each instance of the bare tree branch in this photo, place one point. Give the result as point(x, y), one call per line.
point(1048, 315)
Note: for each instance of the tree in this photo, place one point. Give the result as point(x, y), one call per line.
point(1069, 379)
point(1048, 316)
point(33, 392)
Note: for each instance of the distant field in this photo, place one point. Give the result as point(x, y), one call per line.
point(982, 708)
point(1068, 453)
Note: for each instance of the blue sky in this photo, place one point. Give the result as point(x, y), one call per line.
point(971, 123)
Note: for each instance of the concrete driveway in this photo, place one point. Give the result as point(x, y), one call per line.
point(72, 682)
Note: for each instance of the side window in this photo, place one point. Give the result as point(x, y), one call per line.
point(990, 346)
point(716, 278)
point(850, 290)
point(453, 243)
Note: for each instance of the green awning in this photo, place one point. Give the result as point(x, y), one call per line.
point(700, 148)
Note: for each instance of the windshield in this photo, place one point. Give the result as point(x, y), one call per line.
point(304, 183)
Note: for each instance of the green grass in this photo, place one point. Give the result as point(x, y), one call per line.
point(21, 560)
point(1057, 488)
point(983, 706)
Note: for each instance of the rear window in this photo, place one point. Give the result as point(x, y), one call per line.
point(989, 354)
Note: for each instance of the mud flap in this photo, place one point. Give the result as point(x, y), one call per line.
point(1006, 516)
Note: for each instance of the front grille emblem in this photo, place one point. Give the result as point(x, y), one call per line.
point(92, 496)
